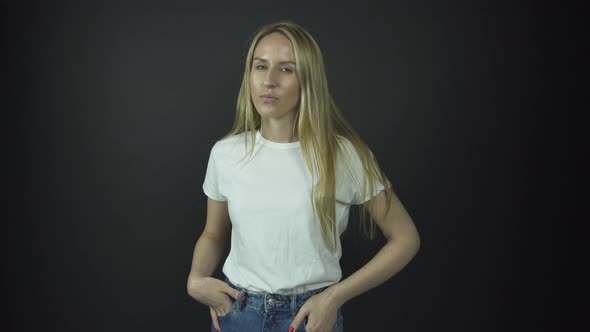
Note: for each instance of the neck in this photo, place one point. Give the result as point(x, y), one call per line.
point(278, 132)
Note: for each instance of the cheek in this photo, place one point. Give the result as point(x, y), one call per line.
point(296, 95)
point(295, 90)
point(254, 79)
point(252, 82)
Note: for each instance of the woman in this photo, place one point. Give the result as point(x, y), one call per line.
point(283, 181)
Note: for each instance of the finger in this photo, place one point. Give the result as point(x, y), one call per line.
point(231, 291)
point(298, 320)
point(214, 319)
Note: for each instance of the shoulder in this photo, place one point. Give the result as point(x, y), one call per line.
point(346, 149)
point(231, 145)
point(343, 142)
point(347, 157)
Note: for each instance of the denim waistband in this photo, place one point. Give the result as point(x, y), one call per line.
point(270, 301)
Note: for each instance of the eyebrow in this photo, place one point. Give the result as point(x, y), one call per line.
point(282, 62)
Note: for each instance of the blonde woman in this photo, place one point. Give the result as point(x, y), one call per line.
point(281, 182)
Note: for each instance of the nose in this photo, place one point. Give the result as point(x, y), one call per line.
point(270, 79)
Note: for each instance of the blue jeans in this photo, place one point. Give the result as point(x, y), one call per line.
point(267, 312)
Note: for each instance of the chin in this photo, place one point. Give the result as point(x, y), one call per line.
point(269, 112)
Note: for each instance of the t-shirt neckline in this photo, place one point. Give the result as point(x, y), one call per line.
point(276, 145)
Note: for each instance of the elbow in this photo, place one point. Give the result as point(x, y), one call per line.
point(191, 285)
point(416, 244)
point(407, 243)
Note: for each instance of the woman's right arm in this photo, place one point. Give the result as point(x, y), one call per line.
point(207, 255)
point(211, 244)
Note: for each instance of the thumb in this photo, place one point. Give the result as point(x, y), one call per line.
point(298, 320)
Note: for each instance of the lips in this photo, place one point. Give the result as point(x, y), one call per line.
point(267, 97)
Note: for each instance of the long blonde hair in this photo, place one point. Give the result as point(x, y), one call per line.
point(319, 122)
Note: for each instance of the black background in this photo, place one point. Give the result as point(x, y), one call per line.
point(112, 108)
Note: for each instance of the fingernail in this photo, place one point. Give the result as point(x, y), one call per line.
point(216, 330)
point(243, 297)
point(290, 328)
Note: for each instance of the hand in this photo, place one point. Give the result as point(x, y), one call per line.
point(321, 310)
point(214, 293)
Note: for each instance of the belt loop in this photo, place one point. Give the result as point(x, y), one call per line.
point(293, 304)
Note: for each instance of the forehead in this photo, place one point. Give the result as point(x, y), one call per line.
point(275, 45)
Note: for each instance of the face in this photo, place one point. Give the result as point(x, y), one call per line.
point(273, 80)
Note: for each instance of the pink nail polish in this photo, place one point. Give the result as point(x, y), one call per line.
point(290, 328)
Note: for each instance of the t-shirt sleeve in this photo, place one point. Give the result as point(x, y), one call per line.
point(211, 185)
point(357, 177)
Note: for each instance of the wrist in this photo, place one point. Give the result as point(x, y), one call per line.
point(336, 294)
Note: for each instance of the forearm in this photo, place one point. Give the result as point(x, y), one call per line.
point(394, 255)
point(206, 256)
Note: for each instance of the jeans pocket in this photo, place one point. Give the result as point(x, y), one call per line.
point(233, 308)
point(337, 327)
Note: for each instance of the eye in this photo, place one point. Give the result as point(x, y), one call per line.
point(259, 67)
point(288, 70)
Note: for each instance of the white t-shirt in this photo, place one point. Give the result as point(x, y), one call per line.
point(276, 241)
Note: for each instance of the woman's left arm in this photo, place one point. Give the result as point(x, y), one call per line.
point(402, 245)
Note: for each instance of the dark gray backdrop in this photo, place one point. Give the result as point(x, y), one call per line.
point(119, 103)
